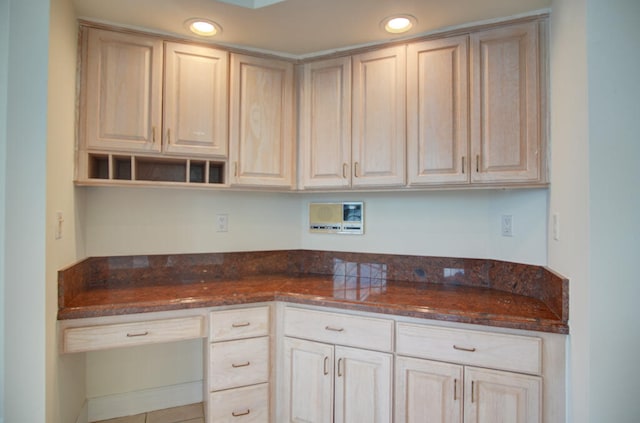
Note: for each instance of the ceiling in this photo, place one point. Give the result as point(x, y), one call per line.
point(299, 28)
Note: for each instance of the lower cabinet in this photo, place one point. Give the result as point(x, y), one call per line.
point(325, 383)
point(239, 366)
point(449, 393)
point(449, 375)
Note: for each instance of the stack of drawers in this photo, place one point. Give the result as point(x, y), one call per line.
point(239, 365)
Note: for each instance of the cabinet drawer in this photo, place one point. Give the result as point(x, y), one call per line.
point(89, 338)
point(240, 323)
point(340, 329)
point(484, 349)
point(239, 363)
point(244, 405)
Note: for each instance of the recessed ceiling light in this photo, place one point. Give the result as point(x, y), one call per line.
point(398, 24)
point(203, 27)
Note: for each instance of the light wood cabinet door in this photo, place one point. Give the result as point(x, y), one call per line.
point(195, 100)
point(505, 104)
point(307, 382)
point(428, 391)
point(363, 381)
point(325, 124)
point(493, 396)
point(123, 92)
point(261, 132)
point(378, 117)
point(437, 117)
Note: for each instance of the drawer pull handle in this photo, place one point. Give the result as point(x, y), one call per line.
point(240, 413)
point(235, 366)
point(455, 347)
point(133, 335)
point(240, 325)
point(332, 329)
point(326, 361)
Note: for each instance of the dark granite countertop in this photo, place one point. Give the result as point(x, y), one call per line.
point(472, 291)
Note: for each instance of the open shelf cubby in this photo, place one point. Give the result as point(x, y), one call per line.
point(155, 169)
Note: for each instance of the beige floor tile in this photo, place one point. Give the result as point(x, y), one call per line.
point(138, 418)
point(177, 415)
point(200, 420)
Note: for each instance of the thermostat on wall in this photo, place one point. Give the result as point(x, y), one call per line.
point(337, 218)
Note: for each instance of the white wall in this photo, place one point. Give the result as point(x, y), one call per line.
point(121, 221)
point(594, 188)
point(442, 223)
point(24, 270)
point(569, 194)
point(65, 373)
point(4, 64)
point(613, 61)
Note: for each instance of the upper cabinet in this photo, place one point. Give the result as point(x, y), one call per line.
point(378, 119)
point(195, 100)
point(353, 136)
point(124, 96)
point(261, 133)
point(506, 92)
point(325, 124)
point(475, 109)
point(122, 90)
point(437, 112)
point(465, 110)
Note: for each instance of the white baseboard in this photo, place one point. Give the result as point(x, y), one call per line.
point(126, 404)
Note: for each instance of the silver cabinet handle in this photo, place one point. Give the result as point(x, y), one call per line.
point(463, 165)
point(332, 329)
point(326, 368)
point(235, 366)
point(133, 335)
point(473, 390)
point(340, 367)
point(240, 413)
point(344, 170)
point(455, 347)
point(477, 162)
point(356, 169)
point(240, 325)
point(455, 389)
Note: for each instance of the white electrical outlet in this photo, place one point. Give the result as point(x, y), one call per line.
point(222, 222)
point(507, 225)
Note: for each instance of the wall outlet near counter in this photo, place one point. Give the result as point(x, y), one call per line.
point(507, 225)
point(222, 223)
